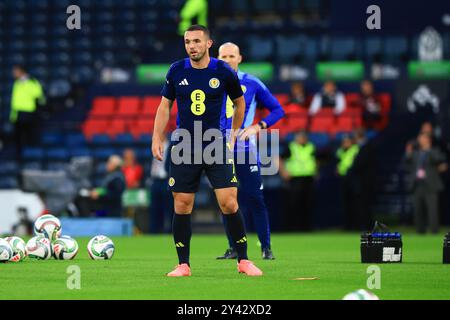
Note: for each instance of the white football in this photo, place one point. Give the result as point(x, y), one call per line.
point(100, 248)
point(65, 248)
point(360, 294)
point(48, 226)
point(18, 247)
point(39, 248)
point(6, 252)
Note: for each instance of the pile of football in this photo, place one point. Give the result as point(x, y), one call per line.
point(48, 242)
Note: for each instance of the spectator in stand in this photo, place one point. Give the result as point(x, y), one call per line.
point(132, 170)
point(371, 105)
point(329, 97)
point(297, 94)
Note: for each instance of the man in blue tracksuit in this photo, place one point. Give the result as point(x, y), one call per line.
point(250, 193)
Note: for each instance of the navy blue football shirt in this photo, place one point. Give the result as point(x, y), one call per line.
point(201, 94)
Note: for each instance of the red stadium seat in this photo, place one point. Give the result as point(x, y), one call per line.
point(295, 109)
point(142, 126)
point(322, 124)
point(92, 127)
point(352, 111)
point(353, 100)
point(343, 124)
point(324, 112)
point(116, 127)
point(103, 106)
point(150, 105)
point(295, 124)
point(385, 101)
point(129, 106)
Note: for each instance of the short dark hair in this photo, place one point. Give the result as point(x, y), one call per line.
point(199, 27)
point(21, 67)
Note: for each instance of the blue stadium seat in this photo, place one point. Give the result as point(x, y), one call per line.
point(8, 167)
point(395, 48)
point(343, 48)
point(38, 59)
point(82, 44)
point(124, 139)
point(144, 154)
point(145, 139)
point(240, 6)
point(38, 33)
point(340, 135)
point(130, 4)
point(17, 20)
point(17, 45)
point(32, 165)
point(101, 140)
point(60, 72)
point(80, 152)
point(62, 4)
point(311, 50)
point(15, 59)
point(60, 45)
point(57, 154)
point(38, 18)
point(103, 153)
point(289, 47)
point(126, 16)
point(373, 47)
point(75, 140)
point(58, 88)
point(52, 139)
point(38, 44)
point(60, 29)
point(33, 153)
point(39, 4)
point(83, 75)
point(320, 140)
point(82, 58)
point(260, 49)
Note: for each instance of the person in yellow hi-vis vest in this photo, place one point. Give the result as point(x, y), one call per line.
point(346, 155)
point(298, 167)
point(27, 94)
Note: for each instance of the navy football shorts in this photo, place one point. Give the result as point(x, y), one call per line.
point(185, 178)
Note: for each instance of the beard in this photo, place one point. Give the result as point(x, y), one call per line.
point(199, 56)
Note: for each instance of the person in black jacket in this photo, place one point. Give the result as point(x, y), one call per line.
point(362, 175)
point(109, 195)
point(425, 164)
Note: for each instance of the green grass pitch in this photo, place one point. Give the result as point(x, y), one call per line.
point(139, 264)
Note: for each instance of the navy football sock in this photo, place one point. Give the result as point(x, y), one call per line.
point(182, 232)
point(236, 230)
